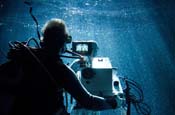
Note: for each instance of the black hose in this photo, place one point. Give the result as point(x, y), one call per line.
point(34, 18)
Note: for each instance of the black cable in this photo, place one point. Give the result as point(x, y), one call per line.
point(137, 89)
point(74, 53)
point(34, 18)
point(77, 56)
point(130, 91)
point(30, 39)
point(128, 99)
point(65, 56)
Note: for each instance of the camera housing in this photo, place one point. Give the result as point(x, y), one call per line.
point(101, 78)
point(97, 74)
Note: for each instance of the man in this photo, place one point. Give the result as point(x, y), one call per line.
point(45, 76)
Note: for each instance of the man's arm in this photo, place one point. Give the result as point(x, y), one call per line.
point(73, 86)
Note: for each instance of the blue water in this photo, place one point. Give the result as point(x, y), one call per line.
point(137, 35)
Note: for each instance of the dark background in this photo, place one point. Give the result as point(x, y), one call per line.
point(137, 35)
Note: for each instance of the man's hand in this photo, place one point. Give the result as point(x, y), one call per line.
point(120, 99)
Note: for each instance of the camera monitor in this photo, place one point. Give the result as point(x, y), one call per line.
point(84, 48)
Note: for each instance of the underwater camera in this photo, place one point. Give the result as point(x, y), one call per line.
point(97, 76)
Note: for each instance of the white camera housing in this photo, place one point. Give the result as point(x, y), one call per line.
point(104, 81)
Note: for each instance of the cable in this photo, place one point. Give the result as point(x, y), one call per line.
point(69, 56)
point(77, 56)
point(134, 95)
point(30, 39)
point(74, 53)
point(34, 18)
